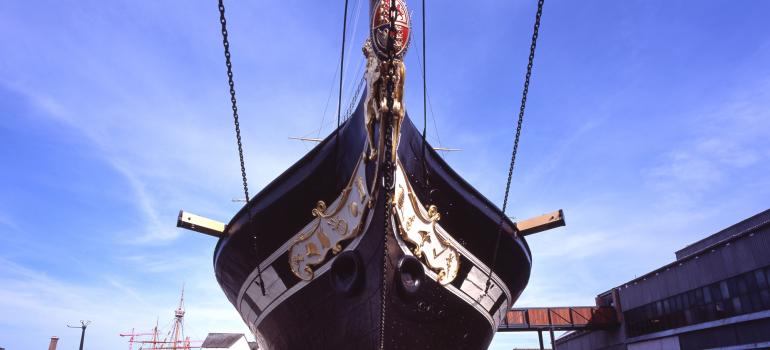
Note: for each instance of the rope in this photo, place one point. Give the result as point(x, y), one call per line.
point(430, 104)
point(233, 101)
point(424, 84)
point(424, 105)
point(336, 69)
point(354, 99)
point(351, 42)
point(342, 61)
point(523, 105)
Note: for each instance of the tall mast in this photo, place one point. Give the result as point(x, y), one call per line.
point(178, 322)
point(155, 334)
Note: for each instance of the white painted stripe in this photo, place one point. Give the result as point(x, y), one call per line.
point(452, 289)
point(273, 288)
point(247, 314)
point(358, 171)
point(318, 273)
point(475, 284)
point(462, 250)
point(501, 311)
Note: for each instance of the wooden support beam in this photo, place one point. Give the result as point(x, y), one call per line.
point(540, 223)
point(311, 139)
point(200, 224)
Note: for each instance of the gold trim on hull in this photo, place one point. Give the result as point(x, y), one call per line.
point(419, 227)
point(330, 227)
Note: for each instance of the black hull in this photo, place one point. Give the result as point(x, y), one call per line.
point(317, 313)
point(320, 317)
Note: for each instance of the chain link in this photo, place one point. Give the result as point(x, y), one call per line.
point(522, 107)
point(233, 101)
point(387, 186)
point(388, 168)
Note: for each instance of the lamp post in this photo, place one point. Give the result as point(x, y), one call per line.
point(83, 325)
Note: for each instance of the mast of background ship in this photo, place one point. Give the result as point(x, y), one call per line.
point(155, 334)
point(178, 331)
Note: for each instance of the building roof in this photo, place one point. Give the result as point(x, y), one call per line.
point(749, 224)
point(724, 237)
point(221, 340)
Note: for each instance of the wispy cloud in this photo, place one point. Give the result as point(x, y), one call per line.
point(42, 305)
point(8, 222)
point(724, 141)
point(141, 87)
point(162, 262)
point(176, 165)
point(157, 114)
point(155, 229)
point(578, 245)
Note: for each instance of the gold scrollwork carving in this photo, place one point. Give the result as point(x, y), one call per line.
point(331, 225)
point(409, 222)
point(320, 209)
point(420, 228)
point(399, 200)
point(362, 194)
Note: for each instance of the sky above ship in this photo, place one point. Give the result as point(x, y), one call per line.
point(647, 122)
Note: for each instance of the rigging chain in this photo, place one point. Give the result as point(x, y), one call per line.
point(523, 105)
point(231, 83)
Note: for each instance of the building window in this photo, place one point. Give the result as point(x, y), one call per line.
point(725, 291)
point(767, 274)
point(737, 305)
point(716, 292)
point(756, 302)
point(761, 279)
point(745, 293)
point(707, 294)
point(765, 296)
point(742, 285)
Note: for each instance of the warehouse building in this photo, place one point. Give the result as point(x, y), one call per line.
point(716, 295)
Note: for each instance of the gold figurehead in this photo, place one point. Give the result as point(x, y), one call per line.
point(376, 97)
point(383, 68)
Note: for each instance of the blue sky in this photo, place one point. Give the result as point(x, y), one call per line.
point(647, 122)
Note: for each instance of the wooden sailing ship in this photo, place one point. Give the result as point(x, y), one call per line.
point(155, 340)
point(371, 240)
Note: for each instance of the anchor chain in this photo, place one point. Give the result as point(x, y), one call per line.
point(522, 107)
point(388, 166)
point(233, 101)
